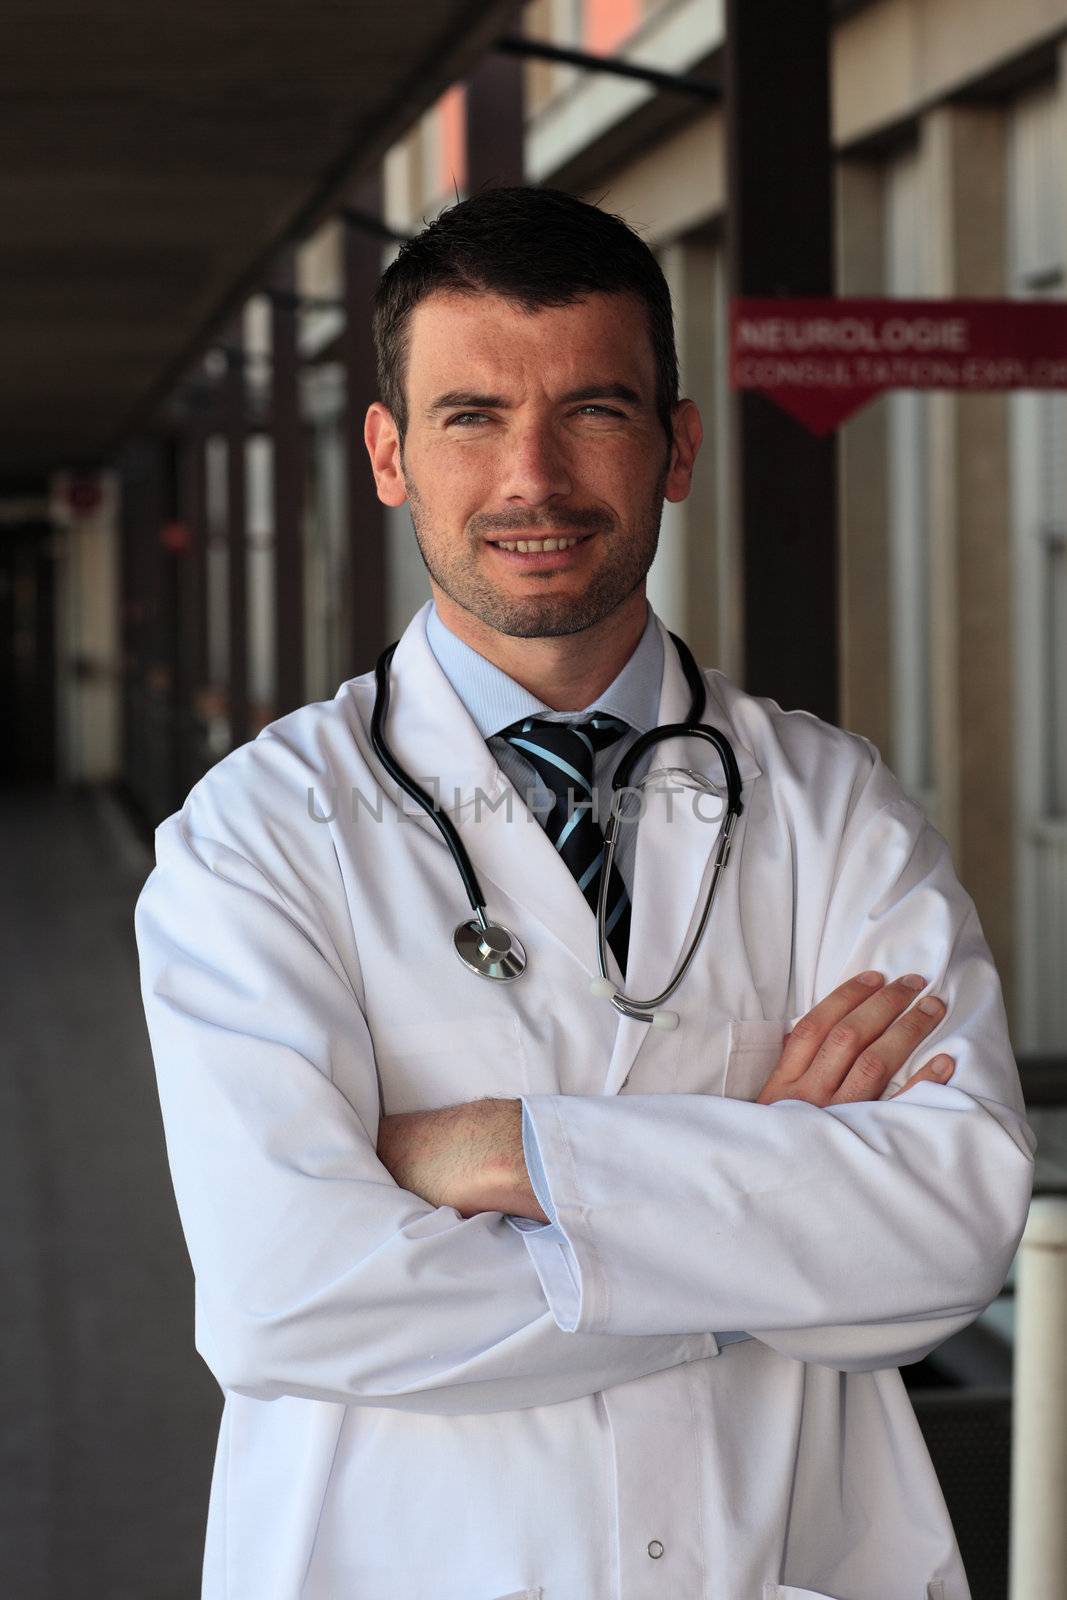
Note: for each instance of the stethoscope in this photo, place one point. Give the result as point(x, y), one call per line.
point(493, 951)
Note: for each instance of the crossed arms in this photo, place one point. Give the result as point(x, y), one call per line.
point(847, 1048)
point(856, 1232)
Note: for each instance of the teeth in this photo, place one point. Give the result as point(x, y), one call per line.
point(536, 546)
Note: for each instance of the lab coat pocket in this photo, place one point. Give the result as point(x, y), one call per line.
point(425, 1065)
point(753, 1053)
point(521, 1594)
point(786, 1591)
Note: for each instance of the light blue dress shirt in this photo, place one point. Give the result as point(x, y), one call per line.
point(494, 701)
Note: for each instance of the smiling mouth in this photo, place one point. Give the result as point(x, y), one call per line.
point(540, 546)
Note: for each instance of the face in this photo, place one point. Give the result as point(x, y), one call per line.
point(539, 429)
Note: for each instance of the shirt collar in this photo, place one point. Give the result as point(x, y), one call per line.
point(494, 701)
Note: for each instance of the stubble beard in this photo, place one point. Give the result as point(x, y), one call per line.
point(546, 615)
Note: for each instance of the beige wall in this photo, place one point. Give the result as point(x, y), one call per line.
point(896, 57)
point(671, 188)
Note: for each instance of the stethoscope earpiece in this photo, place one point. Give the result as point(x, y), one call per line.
point(604, 989)
point(667, 1020)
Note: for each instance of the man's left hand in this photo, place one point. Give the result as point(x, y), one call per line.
point(466, 1156)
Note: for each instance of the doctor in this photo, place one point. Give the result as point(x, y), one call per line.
point(511, 1296)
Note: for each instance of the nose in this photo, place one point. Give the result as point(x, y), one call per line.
point(536, 468)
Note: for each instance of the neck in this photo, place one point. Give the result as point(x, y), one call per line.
point(565, 673)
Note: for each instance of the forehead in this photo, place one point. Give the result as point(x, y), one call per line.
point(475, 336)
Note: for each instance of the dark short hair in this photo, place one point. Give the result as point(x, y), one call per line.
point(536, 247)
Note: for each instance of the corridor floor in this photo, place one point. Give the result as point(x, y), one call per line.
point(109, 1415)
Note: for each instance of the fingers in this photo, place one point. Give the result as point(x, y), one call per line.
point(883, 1053)
point(939, 1070)
point(852, 1035)
point(853, 1043)
point(803, 1042)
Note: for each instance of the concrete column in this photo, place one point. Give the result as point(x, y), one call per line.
point(863, 555)
point(172, 563)
point(1039, 1411)
point(684, 584)
point(237, 535)
point(192, 657)
point(780, 242)
point(287, 432)
point(149, 631)
point(366, 514)
point(970, 520)
point(496, 119)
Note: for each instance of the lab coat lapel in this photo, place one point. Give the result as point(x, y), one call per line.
point(677, 841)
point(521, 874)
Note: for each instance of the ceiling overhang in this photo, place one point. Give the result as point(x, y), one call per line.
point(155, 157)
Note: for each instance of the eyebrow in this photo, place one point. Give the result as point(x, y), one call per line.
point(470, 400)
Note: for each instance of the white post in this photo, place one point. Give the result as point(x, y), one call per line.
point(1039, 1413)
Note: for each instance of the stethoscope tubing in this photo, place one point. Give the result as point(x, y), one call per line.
point(630, 1005)
point(410, 787)
point(692, 727)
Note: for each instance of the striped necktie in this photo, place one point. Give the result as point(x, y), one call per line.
point(562, 755)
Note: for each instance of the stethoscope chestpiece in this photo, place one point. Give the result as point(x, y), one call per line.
point(490, 950)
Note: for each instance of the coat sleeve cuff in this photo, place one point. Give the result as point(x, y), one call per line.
point(549, 1248)
point(562, 1251)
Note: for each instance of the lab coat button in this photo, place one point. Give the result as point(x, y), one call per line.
point(655, 1549)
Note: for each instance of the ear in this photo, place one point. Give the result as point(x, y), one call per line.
point(688, 433)
point(383, 446)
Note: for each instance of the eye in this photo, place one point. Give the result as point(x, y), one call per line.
point(600, 411)
point(464, 418)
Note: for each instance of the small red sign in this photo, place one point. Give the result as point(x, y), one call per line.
point(174, 536)
point(821, 359)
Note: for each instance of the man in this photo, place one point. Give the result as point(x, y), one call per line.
point(511, 1295)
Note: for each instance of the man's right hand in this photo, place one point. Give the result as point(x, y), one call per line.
point(851, 1044)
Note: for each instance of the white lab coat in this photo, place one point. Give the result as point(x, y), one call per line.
point(425, 1407)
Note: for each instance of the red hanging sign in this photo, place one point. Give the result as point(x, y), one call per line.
point(821, 359)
